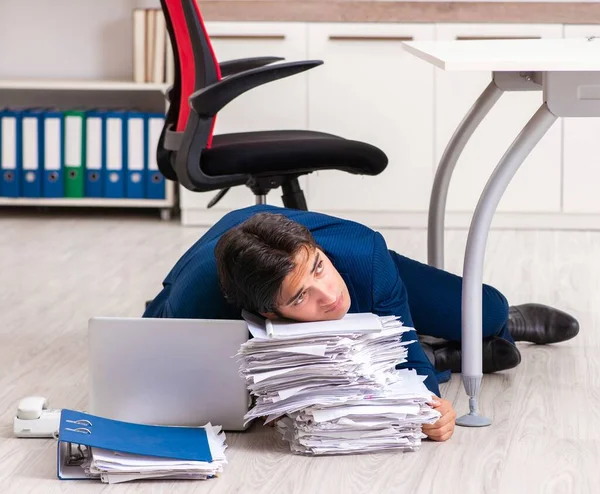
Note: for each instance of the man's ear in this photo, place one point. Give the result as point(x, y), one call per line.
point(269, 315)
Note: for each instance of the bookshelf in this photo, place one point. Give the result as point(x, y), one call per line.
point(68, 85)
point(68, 94)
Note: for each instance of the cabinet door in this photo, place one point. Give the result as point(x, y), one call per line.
point(277, 105)
point(370, 89)
point(537, 185)
point(581, 174)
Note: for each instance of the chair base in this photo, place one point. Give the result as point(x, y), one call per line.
point(293, 196)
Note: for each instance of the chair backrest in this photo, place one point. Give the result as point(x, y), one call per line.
point(196, 65)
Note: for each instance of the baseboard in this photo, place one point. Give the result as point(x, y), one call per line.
point(418, 220)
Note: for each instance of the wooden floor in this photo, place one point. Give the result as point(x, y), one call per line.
point(57, 271)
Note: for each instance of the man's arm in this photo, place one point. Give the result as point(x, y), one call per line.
point(159, 307)
point(390, 298)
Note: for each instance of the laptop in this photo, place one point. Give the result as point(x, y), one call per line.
point(168, 371)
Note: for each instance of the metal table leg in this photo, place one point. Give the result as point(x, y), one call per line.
point(475, 253)
point(441, 183)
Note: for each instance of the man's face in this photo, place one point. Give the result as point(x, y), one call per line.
point(314, 290)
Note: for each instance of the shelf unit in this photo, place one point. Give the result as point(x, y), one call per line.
point(83, 85)
point(68, 94)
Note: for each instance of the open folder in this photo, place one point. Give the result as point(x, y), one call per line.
point(92, 447)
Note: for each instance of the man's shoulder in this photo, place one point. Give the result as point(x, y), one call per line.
point(298, 215)
point(315, 221)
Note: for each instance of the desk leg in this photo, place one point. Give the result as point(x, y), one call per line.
point(475, 253)
point(441, 183)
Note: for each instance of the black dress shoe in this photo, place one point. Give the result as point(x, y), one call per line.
point(498, 354)
point(540, 324)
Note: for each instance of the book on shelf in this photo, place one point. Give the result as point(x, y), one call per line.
point(153, 58)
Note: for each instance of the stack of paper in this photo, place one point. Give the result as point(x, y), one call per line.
point(335, 384)
point(390, 421)
point(115, 467)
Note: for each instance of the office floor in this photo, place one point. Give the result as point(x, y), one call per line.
point(58, 270)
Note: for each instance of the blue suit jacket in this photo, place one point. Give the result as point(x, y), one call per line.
point(191, 289)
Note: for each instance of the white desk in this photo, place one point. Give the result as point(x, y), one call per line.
point(568, 74)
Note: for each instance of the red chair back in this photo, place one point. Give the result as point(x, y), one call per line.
point(196, 65)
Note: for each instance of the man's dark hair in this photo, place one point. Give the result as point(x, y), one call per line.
point(254, 258)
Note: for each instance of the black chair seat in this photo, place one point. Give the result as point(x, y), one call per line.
point(289, 152)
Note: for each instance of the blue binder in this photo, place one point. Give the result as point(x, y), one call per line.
point(78, 428)
point(135, 164)
point(95, 162)
point(11, 156)
point(32, 131)
point(155, 180)
point(54, 127)
point(1, 174)
point(116, 154)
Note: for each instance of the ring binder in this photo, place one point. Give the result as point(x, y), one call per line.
point(79, 448)
point(76, 459)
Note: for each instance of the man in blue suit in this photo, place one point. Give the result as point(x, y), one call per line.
point(307, 266)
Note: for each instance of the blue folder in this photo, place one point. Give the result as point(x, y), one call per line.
point(32, 161)
point(1, 174)
point(53, 161)
point(78, 428)
point(11, 153)
point(95, 149)
point(135, 187)
point(116, 154)
point(155, 181)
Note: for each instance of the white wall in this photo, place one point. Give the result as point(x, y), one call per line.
point(67, 39)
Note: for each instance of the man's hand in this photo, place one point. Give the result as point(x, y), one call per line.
point(443, 429)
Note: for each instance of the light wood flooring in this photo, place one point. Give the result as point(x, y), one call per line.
point(58, 270)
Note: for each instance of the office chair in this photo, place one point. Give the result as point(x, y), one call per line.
point(190, 154)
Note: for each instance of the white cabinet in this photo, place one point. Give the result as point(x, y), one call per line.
point(581, 176)
point(370, 89)
point(537, 185)
point(277, 105)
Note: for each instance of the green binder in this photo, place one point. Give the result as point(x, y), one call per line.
point(74, 153)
